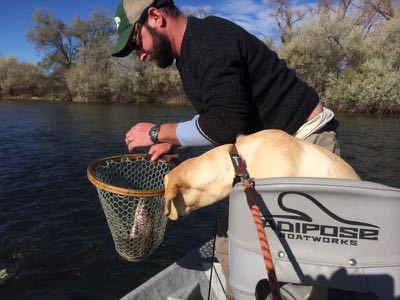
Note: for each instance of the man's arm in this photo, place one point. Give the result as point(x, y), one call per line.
point(170, 136)
point(225, 92)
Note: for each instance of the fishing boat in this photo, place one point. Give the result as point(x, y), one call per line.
point(194, 276)
point(340, 235)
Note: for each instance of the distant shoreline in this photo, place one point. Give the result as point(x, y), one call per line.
point(21, 98)
point(161, 102)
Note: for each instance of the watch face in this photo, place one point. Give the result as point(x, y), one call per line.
point(153, 134)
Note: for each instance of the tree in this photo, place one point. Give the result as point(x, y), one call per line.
point(380, 8)
point(76, 57)
point(20, 79)
point(286, 17)
point(371, 86)
point(327, 44)
point(51, 36)
point(340, 8)
point(88, 78)
point(94, 36)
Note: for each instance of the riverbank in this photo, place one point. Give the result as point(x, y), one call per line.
point(179, 100)
point(183, 101)
point(24, 98)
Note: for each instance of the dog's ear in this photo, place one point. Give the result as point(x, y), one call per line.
point(170, 193)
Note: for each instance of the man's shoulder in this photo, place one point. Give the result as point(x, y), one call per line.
point(214, 23)
point(216, 33)
point(214, 38)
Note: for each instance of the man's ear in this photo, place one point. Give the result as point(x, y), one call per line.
point(156, 18)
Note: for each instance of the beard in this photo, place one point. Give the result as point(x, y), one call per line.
point(162, 54)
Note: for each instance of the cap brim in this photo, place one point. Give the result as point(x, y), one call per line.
point(121, 47)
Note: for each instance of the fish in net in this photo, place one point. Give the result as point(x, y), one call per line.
point(131, 193)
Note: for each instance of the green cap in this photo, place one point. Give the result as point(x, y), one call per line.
point(127, 14)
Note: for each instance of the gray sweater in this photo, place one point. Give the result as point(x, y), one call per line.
point(237, 84)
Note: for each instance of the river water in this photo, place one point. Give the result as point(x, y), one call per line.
point(54, 239)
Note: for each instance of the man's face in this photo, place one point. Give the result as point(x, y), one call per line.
point(161, 52)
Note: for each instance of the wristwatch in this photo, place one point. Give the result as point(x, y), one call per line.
point(153, 133)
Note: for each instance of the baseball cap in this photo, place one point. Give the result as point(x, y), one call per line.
point(126, 15)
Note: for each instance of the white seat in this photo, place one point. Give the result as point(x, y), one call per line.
point(341, 234)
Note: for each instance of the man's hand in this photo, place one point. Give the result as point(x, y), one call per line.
point(138, 136)
point(159, 150)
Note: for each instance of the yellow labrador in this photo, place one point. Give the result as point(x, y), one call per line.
point(206, 179)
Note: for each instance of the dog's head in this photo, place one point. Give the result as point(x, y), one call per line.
point(188, 188)
point(198, 182)
point(178, 201)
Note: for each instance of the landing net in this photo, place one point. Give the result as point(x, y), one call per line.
point(131, 193)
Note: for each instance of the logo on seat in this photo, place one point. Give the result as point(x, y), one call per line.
point(300, 226)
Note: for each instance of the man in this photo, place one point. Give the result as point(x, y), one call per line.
point(234, 81)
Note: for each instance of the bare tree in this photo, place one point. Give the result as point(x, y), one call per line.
point(365, 13)
point(286, 16)
point(374, 12)
point(339, 7)
point(383, 8)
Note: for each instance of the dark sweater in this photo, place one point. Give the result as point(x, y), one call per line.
point(237, 84)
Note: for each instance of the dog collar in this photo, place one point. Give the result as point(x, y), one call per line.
point(239, 165)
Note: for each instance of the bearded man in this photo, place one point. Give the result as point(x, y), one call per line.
point(235, 82)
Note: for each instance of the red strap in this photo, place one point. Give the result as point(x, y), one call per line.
point(243, 176)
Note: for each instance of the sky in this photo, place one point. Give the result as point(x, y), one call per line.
point(16, 18)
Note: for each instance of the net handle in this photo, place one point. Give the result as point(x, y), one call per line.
point(122, 191)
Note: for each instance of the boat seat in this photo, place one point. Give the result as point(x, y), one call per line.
point(334, 233)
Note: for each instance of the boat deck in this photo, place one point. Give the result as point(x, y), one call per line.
point(197, 275)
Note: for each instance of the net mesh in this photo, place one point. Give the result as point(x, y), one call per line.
point(136, 221)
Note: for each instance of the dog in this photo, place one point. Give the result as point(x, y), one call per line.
point(206, 179)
